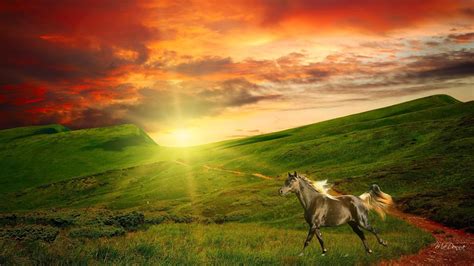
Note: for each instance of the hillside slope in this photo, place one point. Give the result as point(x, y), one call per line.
point(33, 156)
point(420, 152)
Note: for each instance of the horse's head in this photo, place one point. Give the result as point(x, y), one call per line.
point(290, 185)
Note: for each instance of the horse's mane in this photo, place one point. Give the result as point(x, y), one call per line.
point(321, 187)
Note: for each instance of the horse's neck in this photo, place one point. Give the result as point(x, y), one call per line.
point(306, 196)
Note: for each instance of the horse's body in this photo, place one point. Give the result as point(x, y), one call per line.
point(322, 209)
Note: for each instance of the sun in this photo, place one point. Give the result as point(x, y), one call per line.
point(182, 137)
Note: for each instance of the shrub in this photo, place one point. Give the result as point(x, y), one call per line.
point(53, 221)
point(29, 232)
point(96, 232)
point(155, 220)
point(181, 219)
point(129, 221)
point(8, 219)
point(13, 219)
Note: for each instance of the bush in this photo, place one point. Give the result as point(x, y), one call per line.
point(155, 220)
point(8, 219)
point(28, 232)
point(13, 219)
point(53, 221)
point(181, 219)
point(97, 232)
point(129, 221)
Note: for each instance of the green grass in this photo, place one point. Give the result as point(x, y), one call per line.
point(419, 151)
point(229, 244)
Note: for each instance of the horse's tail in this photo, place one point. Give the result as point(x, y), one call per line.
point(377, 200)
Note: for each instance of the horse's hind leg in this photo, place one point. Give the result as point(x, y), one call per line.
point(361, 235)
point(369, 228)
point(321, 242)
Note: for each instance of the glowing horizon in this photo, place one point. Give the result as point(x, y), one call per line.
point(194, 72)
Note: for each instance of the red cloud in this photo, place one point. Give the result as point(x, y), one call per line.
point(365, 15)
point(71, 40)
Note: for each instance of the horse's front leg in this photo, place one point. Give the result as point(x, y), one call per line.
point(312, 230)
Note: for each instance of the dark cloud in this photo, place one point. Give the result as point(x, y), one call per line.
point(160, 103)
point(461, 38)
point(204, 66)
point(236, 92)
point(468, 11)
point(450, 71)
point(421, 74)
point(70, 40)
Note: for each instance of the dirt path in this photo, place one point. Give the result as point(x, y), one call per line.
point(236, 172)
point(452, 247)
point(181, 163)
point(227, 170)
point(261, 176)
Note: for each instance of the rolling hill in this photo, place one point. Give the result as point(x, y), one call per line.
point(420, 151)
point(33, 156)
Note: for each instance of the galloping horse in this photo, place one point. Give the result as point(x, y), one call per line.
point(322, 209)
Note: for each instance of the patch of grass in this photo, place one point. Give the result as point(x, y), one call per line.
point(106, 254)
point(145, 249)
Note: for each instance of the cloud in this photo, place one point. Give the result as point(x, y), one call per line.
point(368, 16)
point(461, 38)
point(204, 66)
point(177, 102)
point(236, 92)
point(417, 74)
point(72, 41)
point(165, 102)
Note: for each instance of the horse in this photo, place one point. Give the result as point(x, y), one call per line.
point(324, 210)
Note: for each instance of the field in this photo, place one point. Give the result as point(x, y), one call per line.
point(113, 195)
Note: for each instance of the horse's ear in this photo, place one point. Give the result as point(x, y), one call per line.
point(295, 174)
point(289, 174)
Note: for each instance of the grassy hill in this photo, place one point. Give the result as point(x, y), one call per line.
point(33, 156)
point(419, 151)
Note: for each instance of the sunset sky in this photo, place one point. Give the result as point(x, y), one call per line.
point(191, 72)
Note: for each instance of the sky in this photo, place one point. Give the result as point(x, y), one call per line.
point(193, 72)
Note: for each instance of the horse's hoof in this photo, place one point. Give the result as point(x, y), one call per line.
point(369, 251)
point(301, 254)
point(383, 243)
